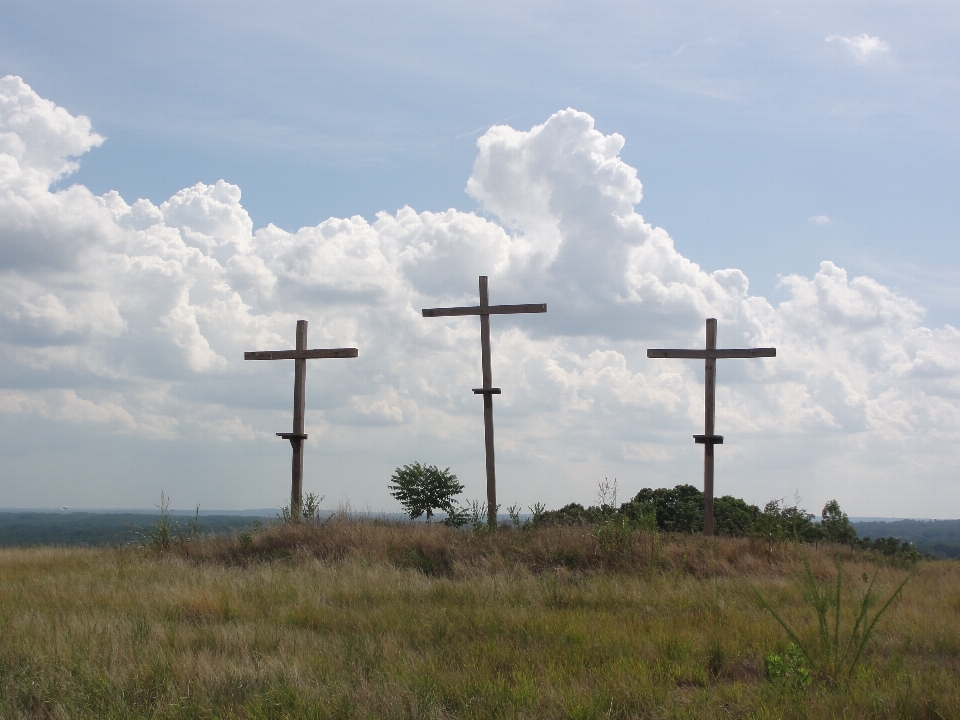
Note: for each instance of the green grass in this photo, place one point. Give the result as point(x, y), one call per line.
point(355, 619)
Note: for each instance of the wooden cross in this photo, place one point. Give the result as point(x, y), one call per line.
point(708, 439)
point(296, 438)
point(485, 310)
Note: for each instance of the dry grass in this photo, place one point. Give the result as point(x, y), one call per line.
point(359, 619)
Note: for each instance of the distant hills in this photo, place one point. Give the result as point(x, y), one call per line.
point(937, 538)
point(25, 528)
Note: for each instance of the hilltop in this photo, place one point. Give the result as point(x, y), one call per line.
point(351, 618)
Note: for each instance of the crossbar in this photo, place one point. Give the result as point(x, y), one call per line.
point(301, 354)
point(710, 354)
point(485, 310)
point(713, 354)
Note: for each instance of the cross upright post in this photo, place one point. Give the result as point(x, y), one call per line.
point(485, 310)
point(709, 355)
point(296, 438)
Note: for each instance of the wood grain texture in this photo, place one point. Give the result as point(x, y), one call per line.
point(487, 404)
point(714, 354)
point(709, 414)
point(301, 354)
point(484, 310)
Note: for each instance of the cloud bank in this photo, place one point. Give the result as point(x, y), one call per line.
point(129, 320)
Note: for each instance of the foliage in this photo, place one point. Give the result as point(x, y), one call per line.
point(780, 522)
point(607, 493)
point(614, 535)
point(457, 515)
point(734, 517)
point(475, 514)
point(891, 547)
point(789, 668)
point(166, 530)
point(161, 536)
point(309, 509)
point(678, 510)
point(421, 489)
point(835, 655)
point(835, 525)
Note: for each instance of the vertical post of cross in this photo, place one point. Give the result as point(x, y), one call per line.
point(485, 310)
point(487, 404)
point(299, 405)
point(709, 355)
point(297, 437)
point(709, 413)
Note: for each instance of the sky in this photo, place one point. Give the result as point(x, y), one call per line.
point(181, 182)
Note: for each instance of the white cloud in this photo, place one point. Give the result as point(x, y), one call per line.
point(133, 318)
point(863, 47)
point(819, 220)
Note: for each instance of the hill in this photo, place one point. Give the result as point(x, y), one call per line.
point(351, 619)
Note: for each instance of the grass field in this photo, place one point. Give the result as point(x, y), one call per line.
point(360, 619)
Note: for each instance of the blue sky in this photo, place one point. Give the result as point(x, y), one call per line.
point(768, 137)
point(743, 120)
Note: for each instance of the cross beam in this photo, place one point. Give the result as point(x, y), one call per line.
point(296, 438)
point(710, 356)
point(485, 310)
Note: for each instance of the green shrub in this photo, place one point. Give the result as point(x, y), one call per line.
point(836, 525)
point(421, 489)
point(780, 522)
point(836, 651)
point(678, 510)
point(890, 547)
point(789, 669)
point(734, 517)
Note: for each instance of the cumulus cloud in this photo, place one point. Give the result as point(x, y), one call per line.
point(819, 219)
point(133, 317)
point(863, 47)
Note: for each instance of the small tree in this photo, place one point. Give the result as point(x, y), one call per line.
point(424, 488)
point(836, 525)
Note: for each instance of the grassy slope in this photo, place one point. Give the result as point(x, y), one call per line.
point(373, 620)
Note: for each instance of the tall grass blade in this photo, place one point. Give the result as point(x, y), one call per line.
point(783, 623)
point(868, 632)
point(836, 615)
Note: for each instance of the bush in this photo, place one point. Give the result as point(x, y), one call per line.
point(678, 510)
point(836, 525)
point(780, 522)
point(890, 547)
point(421, 489)
point(734, 517)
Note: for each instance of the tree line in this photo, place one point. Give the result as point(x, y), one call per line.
point(422, 489)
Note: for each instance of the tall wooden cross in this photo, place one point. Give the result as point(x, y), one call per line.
point(485, 310)
point(296, 438)
point(708, 439)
